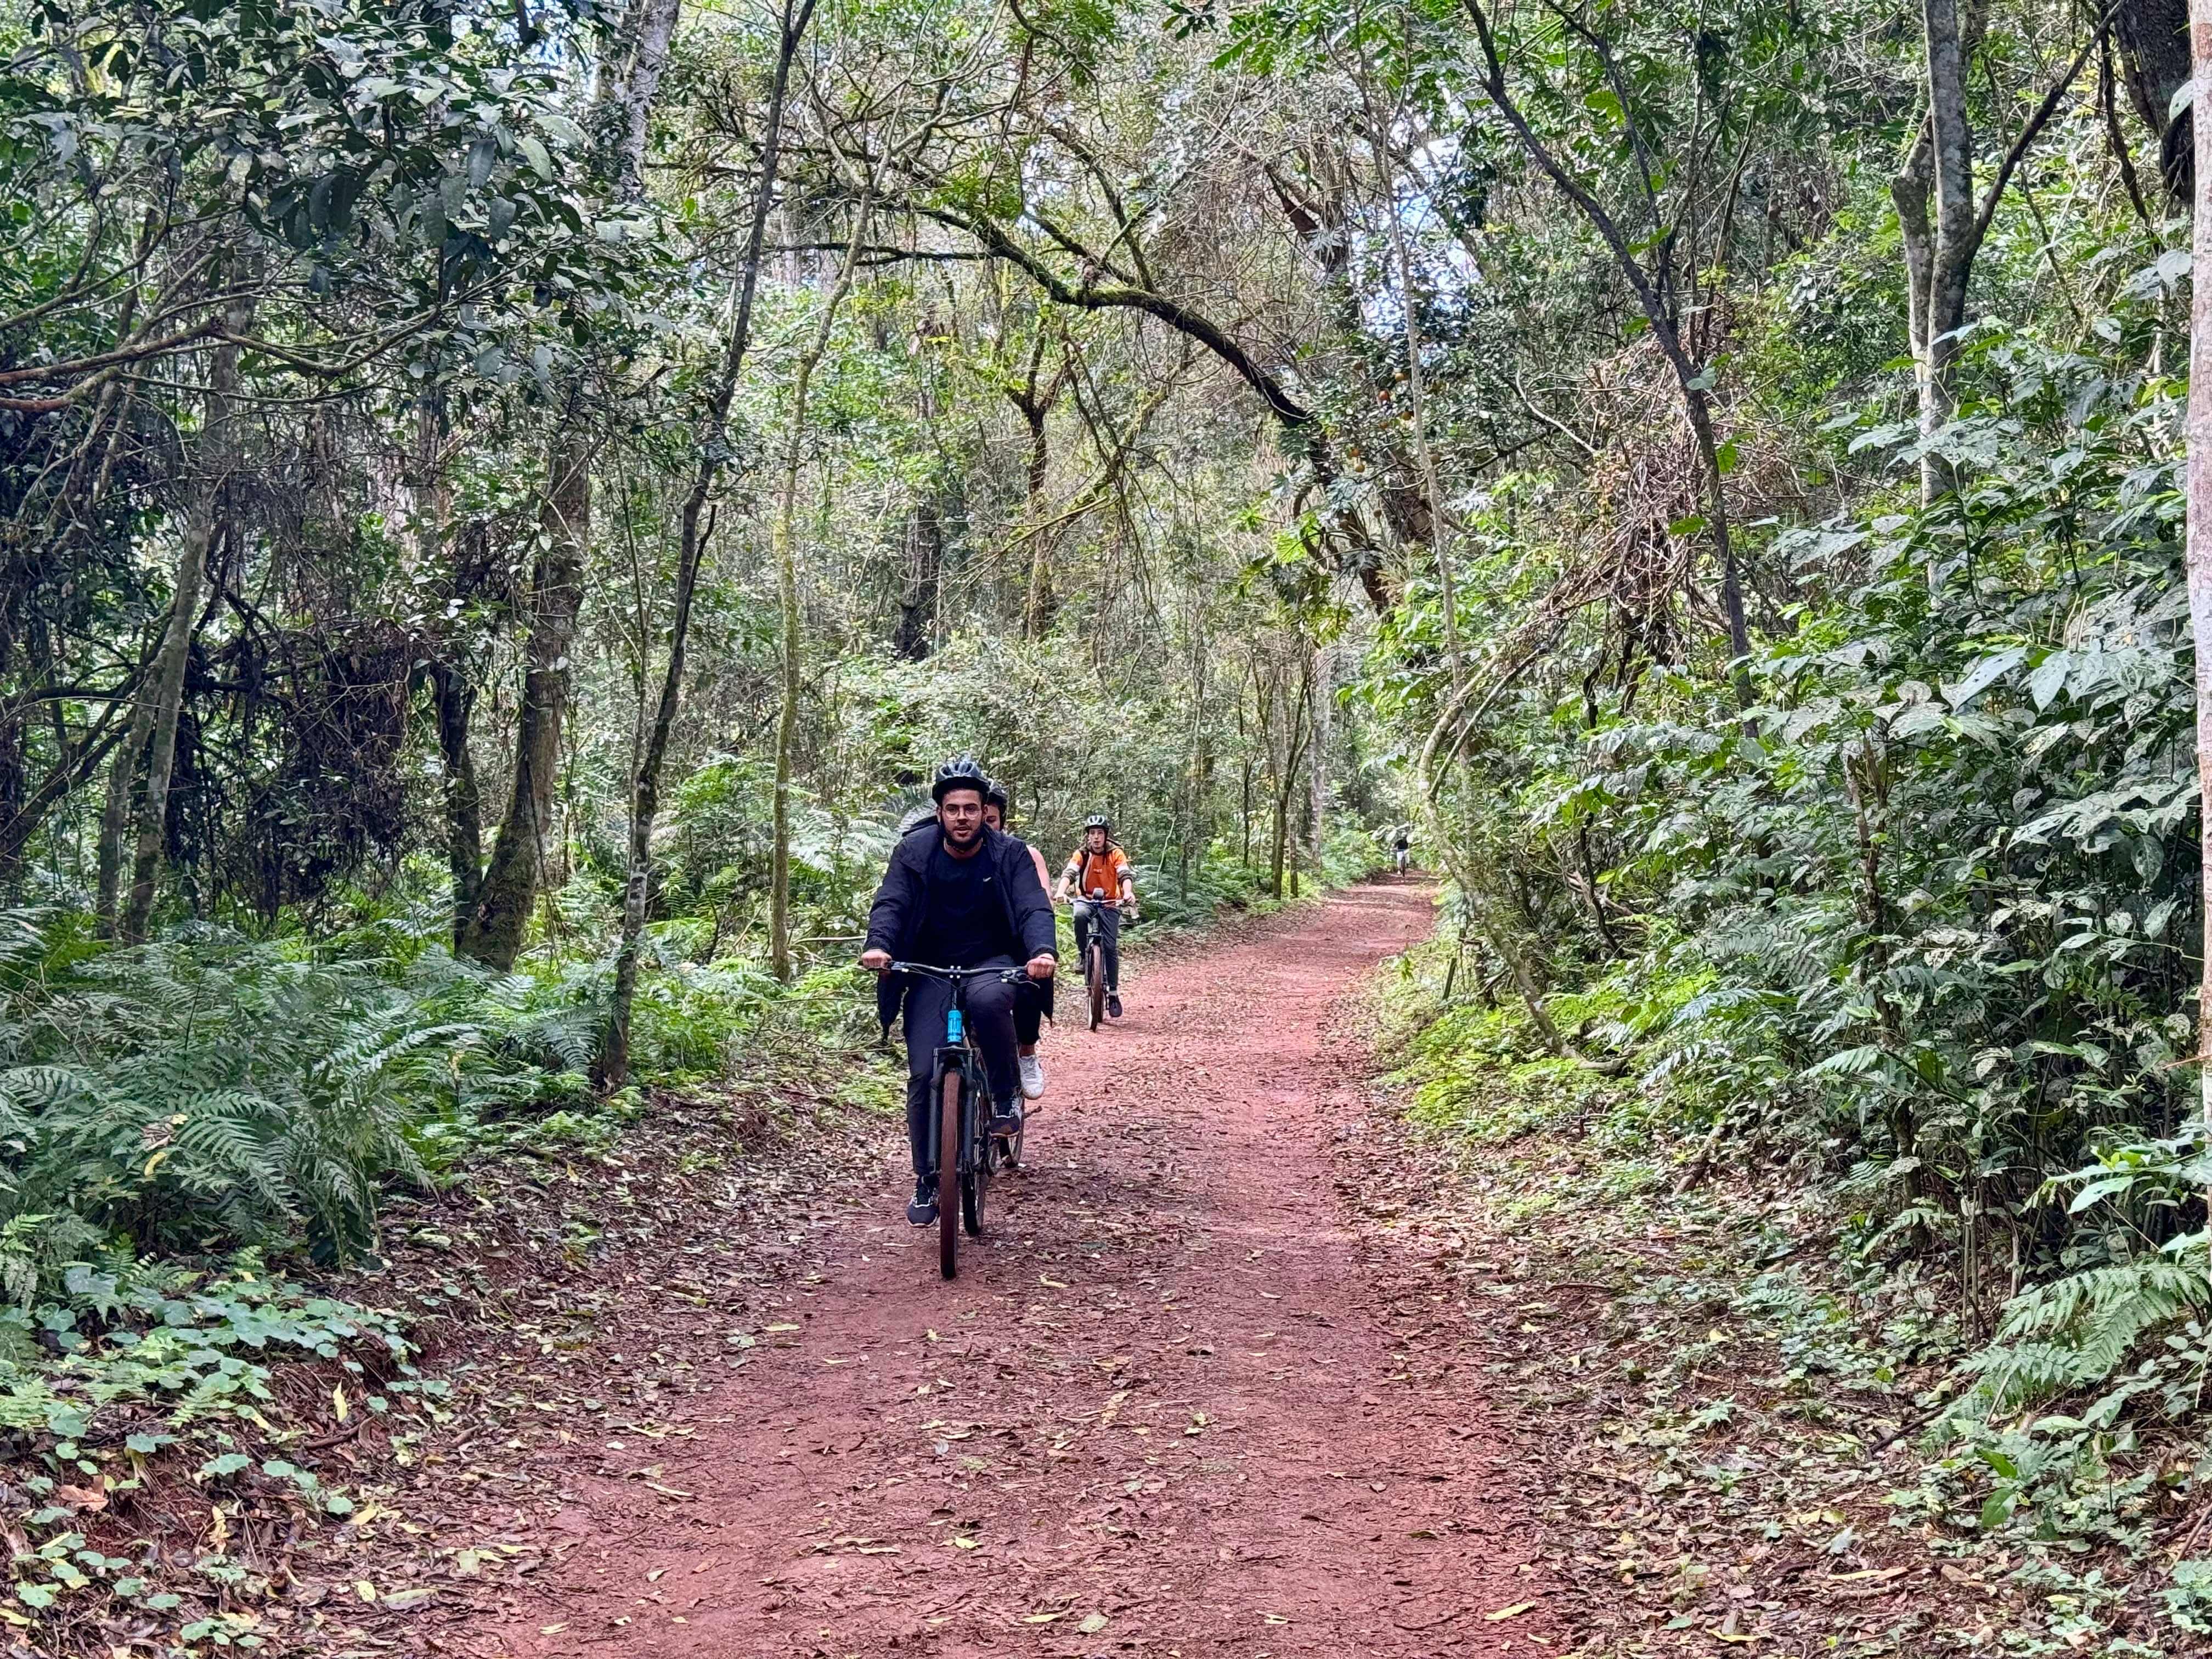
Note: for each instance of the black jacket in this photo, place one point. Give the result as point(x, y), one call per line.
point(894, 920)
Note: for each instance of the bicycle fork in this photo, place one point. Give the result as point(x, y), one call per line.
point(951, 1058)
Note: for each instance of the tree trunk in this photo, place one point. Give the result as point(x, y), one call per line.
point(925, 543)
point(1287, 782)
point(1699, 405)
point(787, 594)
point(1324, 732)
point(453, 700)
point(497, 924)
point(2199, 542)
point(501, 916)
point(2153, 36)
point(1951, 253)
point(652, 30)
point(1036, 611)
point(452, 697)
point(1416, 388)
point(164, 695)
point(645, 786)
point(115, 818)
point(1939, 253)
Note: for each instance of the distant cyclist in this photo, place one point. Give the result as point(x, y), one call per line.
point(1032, 999)
point(965, 896)
point(1402, 848)
point(1099, 876)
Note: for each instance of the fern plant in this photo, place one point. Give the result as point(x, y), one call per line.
point(206, 1091)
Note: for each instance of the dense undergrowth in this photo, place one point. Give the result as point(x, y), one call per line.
point(1886, 948)
point(1776, 1406)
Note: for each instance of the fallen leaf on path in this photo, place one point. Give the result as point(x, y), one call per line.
point(1091, 1625)
point(1043, 1617)
point(1050, 1283)
point(551, 1629)
point(773, 1330)
point(400, 1601)
point(1870, 1572)
point(965, 1543)
point(1513, 1612)
point(667, 1492)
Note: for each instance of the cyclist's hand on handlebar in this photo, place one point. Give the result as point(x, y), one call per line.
point(875, 961)
point(1041, 967)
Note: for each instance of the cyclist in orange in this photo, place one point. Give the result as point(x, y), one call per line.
point(1099, 875)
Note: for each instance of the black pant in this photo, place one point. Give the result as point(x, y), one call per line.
point(1029, 1012)
point(1108, 921)
point(989, 1009)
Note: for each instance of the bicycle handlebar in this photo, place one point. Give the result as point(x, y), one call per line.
point(1011, 975)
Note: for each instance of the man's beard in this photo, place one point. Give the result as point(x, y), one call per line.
point(959, 840)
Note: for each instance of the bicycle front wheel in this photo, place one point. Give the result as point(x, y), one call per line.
point(948, 1175)
point(1094, 981)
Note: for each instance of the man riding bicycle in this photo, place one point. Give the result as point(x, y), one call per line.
point(966, 896)
point(1099, 874)
point(1032, 998)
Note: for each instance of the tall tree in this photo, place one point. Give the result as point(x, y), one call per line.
point(163, 698)
point(1939, 252)
point(493, 931)
point(1653, 276)
point(789, 614)
point(691, 541)
point(2199, 529)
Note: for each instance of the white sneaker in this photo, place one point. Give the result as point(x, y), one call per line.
point(1032, 1076)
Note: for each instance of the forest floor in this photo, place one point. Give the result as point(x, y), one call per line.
point(1175, 1404)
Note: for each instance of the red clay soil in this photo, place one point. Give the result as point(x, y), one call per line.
point(1165, 1410)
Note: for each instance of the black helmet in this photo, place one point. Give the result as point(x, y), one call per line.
point(961, 774)
point(1099, 821)
point(996, 796)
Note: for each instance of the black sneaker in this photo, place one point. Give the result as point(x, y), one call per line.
point(1114, 1004)
point(923, 1209)
point(1007, 1120)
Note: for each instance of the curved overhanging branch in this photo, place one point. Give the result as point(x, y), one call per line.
point(1310, 440)
point(1122, 296)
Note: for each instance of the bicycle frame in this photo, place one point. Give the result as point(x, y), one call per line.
point(959, 1053)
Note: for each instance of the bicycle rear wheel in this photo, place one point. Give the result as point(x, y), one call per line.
point(948, 1175)
point(977, 1181)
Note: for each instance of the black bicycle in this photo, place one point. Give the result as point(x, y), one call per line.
point(1094, 950)
point(965, 1147)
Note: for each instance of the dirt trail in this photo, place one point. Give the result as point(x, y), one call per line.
point(1161, 1411)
